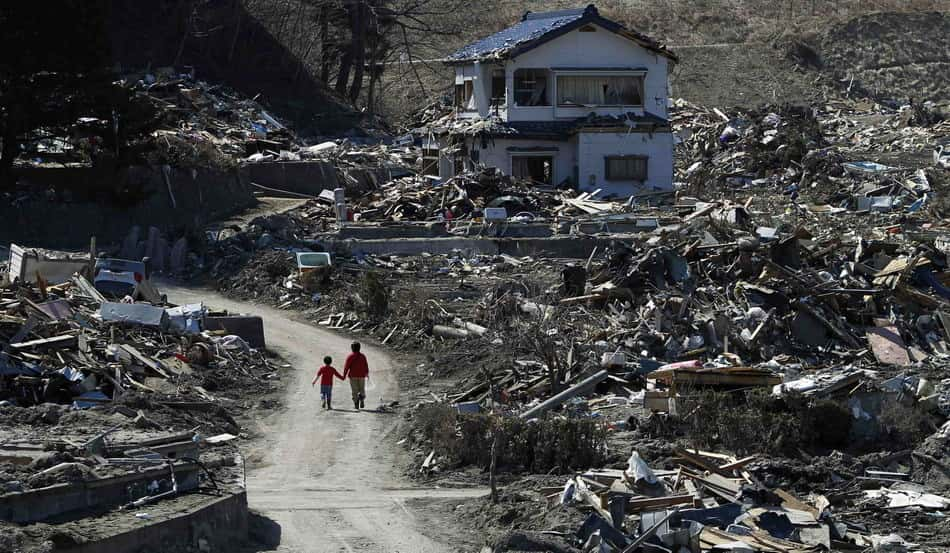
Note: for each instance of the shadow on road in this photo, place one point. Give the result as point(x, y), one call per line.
point(263, 534)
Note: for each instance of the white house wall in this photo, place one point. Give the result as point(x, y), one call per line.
point(598, 49)
point(586, 152)
point(480, 75)
point(594, 147)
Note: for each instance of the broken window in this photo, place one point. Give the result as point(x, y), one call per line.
point(531, 87)
point(537, 169)
point(626, 168)
point(465, 96)
point(498, 87)
point(587, 90)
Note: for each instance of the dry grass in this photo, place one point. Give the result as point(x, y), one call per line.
point(673, 22)
point(551, 444)
point(755, 422)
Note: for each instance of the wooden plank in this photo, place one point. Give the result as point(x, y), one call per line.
point(714, 455)
point(471, 391)
point(87, 289)
point(146, 360)
point(700, 212)
point(789, 501)
point(723, 483)
point(699, 461)
point(735, 465)
point(582, 299)
point(888, 346)
point(712, 536)
point(653, 503)
point(63, 341)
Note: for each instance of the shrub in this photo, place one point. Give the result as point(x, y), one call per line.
point(375, 295)
point(554, 443)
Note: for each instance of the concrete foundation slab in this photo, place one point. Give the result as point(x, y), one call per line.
point(572, 247)
point(64, 499)
point(196, 522)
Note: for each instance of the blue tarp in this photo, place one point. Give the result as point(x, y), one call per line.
point(12, 367)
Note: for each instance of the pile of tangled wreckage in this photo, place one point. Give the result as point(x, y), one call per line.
point(165, 117)
point(785, 267)
point(114, 402)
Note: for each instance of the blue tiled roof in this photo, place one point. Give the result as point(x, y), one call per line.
point(537, 28)
point(532, 27)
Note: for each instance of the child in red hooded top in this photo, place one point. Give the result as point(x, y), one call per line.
point(326, 374)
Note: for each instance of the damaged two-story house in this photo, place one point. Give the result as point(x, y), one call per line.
point(563, 97)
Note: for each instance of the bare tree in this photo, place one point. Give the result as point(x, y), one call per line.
point(542, 334)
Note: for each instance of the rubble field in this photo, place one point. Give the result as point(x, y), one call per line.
point(114, 414)
point(755, 361)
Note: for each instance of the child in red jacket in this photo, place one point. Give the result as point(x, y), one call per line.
point(326, 374)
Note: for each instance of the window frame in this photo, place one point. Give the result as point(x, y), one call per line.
point(464, 93)
point(496, 78)
point(546, 95)
point(549, 155)
point(640, 77)
point(636, 73)
point(631, 157)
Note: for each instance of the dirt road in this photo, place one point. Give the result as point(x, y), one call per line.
point(328, 478)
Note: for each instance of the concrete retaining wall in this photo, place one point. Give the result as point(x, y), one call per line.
point(404, 230)
point(558, 246)
point(64, 499)
point(221, 524)
point(303, 177)
point(84, 202)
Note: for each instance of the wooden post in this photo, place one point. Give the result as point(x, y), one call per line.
point(495, 446)
point(496, 438)
point(92, 257)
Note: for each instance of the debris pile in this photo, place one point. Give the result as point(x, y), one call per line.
point(816, 153)
point(462, 197)
point(109, 405)
point(165, 117)
point(778, 291)
point(91, 388)
point(709, 502)
point(196, 116)
point(68, 344)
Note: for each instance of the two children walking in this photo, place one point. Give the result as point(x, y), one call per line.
point(355, 368)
